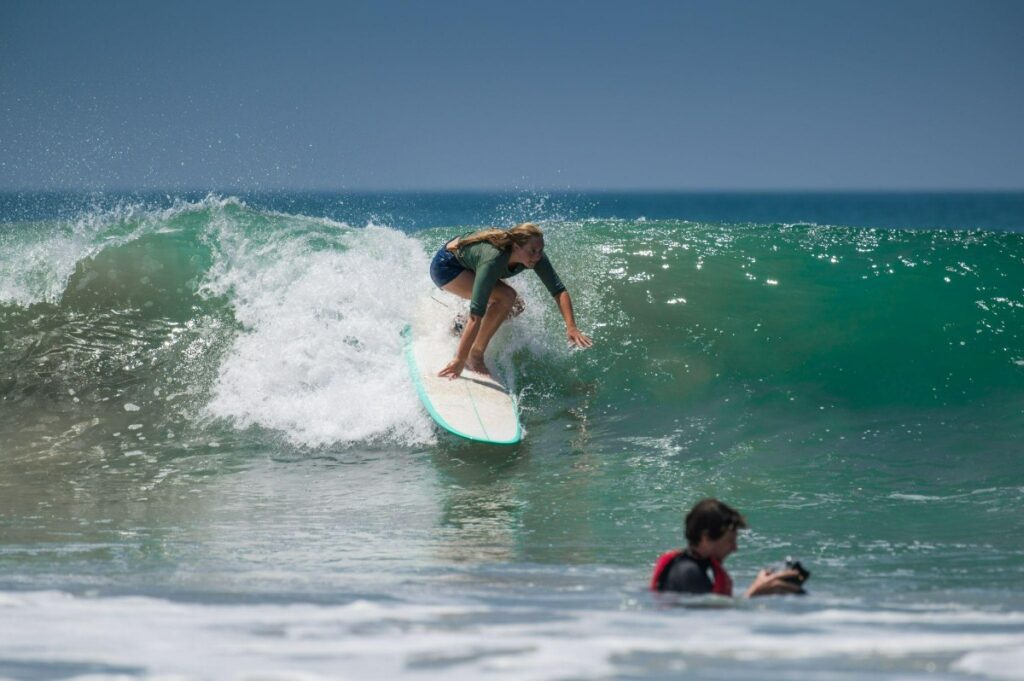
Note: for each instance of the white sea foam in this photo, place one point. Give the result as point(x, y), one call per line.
point(320, 355)
point(365, 639)
point(994, 664)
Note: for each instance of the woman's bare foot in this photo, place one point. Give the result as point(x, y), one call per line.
point(517, 307)
point(476, 363)
point(459, 323)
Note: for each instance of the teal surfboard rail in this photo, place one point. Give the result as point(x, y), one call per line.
point(421, 390)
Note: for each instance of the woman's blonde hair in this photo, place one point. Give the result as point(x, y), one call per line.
point(504, 239)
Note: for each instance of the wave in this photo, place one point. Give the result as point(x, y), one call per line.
point(287, 324)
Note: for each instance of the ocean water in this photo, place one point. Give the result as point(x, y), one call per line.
point(213, 464)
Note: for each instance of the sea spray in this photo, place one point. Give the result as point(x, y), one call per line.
point(319, 356)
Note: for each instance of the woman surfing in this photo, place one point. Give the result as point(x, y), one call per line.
point(472, 267)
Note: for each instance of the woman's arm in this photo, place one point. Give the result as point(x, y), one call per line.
point(576, 337)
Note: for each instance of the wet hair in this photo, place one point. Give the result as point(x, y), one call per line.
point(504, 239)
point(714, 517)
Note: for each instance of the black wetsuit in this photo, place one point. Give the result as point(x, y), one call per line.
point(687, 574)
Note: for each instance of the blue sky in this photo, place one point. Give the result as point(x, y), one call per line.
point(527, 95)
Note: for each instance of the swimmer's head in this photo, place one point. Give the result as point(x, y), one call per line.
point(713, 517)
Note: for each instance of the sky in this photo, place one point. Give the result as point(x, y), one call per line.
point(479, 95)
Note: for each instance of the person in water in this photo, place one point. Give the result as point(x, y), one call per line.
point(472, 267)
point(711, 528)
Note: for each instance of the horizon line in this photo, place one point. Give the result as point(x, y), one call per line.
point(514, 190)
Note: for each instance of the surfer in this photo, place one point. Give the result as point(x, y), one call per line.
point(472, 267)
point(711, 528)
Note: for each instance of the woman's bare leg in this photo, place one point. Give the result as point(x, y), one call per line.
point(500, 307)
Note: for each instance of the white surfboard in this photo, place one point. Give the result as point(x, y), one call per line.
point(473, 406)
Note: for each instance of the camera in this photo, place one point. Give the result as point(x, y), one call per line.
point(801, 576)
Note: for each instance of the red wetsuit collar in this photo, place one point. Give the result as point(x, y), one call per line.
point(722, 584)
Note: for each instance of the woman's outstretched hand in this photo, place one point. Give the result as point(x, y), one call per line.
point(577, 338)
point(453, 370)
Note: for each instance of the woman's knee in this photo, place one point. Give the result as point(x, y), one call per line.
point(504, 296)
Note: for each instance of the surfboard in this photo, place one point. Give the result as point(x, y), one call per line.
point(473, 406)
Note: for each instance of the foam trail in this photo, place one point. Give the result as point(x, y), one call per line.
point(140, 637)
point(320, 358)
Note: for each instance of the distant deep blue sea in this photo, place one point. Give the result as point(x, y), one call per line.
point(413, 211)
point(209, 441)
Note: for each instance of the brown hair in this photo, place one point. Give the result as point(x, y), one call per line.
point(714, 517)
point(504, 239)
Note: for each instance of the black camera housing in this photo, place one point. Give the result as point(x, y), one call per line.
point(801, 576)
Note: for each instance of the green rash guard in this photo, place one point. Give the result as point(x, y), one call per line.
point(490, 264)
